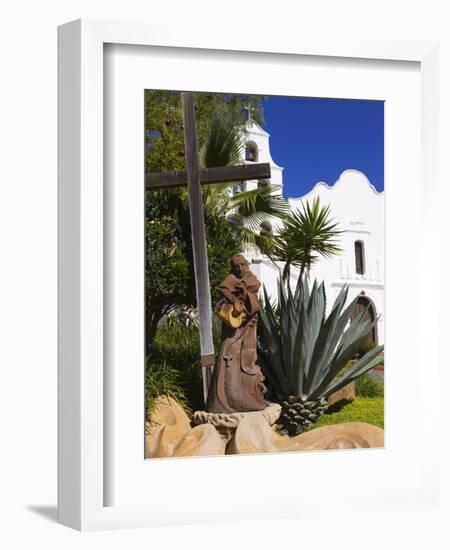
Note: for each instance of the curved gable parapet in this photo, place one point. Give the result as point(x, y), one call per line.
point(348, 177)
point(363, 178)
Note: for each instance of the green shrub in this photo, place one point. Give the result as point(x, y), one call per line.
point(163, 379)
point(173, 366)
point(365, 386)
point(365, 347)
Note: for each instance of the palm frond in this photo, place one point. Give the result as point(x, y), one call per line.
point(223, 146)
point(266, 198)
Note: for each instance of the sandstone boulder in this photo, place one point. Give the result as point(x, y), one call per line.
point(167, 426)
point(254, 435)
point(349, 435)
point(203, 440)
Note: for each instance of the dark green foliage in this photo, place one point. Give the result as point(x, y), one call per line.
point(366, 346)
point(305, 353)
point(169, 262)
point(366, 386)
point(163, 379)
point(169, 268)
point(173, 367)
point(164, 123)
point(223, 145)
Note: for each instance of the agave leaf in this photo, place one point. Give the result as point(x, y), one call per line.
point(287, 330)
point(269, 310)
point(298, 330)
point(276, 336)
point(370, 360)
point(266, 365)
point(298, 288)
point(350, 334)
point(320, 368)
point(305, 292)
point(360, 368)
point(274, 360)
point(326, 340)
point(302, 340)
point(316, 318)
point(343, 355)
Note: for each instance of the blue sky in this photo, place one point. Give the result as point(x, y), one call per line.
point(316, 139)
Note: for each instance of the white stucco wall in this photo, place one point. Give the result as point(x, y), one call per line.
point(255, 134)
point(359, 209)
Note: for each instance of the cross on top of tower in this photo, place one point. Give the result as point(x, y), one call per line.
point(249, 110)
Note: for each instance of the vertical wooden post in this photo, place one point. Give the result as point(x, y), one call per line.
point(198, 240)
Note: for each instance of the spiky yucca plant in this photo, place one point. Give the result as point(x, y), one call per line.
point(302, 351)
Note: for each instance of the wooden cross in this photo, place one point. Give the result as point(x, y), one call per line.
point(194, 177)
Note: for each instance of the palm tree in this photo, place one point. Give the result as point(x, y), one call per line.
point(247, 210)
point(307, 234)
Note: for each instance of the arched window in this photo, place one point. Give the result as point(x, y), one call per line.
point(360, 266)
point(251, 152)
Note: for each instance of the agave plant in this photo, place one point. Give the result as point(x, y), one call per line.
point(303, 352)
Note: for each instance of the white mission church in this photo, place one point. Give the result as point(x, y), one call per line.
point(359, 209)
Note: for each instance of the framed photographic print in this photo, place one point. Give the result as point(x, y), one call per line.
point(241, 285)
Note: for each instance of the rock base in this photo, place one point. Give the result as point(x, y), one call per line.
point(170, 434)
point(226, 424)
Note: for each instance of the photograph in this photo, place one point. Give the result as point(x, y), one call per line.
point(224, 284)
point(264, 274)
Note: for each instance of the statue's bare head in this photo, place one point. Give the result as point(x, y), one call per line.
point(239, 265)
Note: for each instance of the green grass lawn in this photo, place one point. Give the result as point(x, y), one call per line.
point(361, 409)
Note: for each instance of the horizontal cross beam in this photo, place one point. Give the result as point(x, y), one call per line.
point(221, 174)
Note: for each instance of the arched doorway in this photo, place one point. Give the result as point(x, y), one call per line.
point(362, 303)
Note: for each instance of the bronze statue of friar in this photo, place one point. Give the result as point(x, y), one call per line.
point(237, 383)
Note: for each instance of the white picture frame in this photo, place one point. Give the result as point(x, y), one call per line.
point(81, 390)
